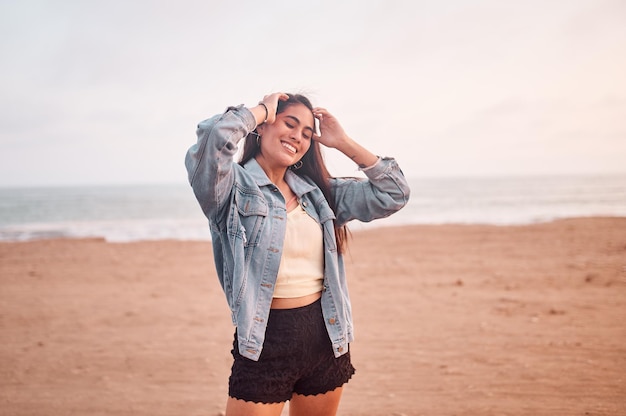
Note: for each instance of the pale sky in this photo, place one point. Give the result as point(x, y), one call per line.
point(110, 92)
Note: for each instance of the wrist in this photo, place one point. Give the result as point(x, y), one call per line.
point(359, 155)
point(345, 145)
point(260, 113)
point(267, 112)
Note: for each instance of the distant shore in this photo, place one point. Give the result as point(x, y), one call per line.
point(450, 319)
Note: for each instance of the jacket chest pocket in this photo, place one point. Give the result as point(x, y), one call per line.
point(247, 217)
point(326, 217)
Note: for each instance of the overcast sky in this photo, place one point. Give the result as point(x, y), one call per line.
point(109, 92)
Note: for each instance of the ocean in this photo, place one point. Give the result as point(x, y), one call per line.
point(155, 212)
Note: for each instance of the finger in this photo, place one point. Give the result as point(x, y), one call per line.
point(318, 115)
point(275, 97)
point(271, 103)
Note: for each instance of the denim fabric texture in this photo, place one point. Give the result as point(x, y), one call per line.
point(247, 219)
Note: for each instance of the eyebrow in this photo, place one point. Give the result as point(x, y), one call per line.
point(294, 118)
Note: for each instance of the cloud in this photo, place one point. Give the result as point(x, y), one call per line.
point(111, 92)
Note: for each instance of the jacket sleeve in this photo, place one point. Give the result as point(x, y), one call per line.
point(209, 162)
point(384, 192)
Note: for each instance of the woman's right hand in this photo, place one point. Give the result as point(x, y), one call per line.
point(269, 102)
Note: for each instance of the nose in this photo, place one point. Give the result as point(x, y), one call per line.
point(297, 135)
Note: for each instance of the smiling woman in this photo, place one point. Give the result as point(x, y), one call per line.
point(278, 226)
point(286, 141)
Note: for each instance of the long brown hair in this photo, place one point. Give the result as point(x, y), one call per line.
point(313, 165)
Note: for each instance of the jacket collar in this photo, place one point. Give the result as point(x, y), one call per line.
point(297, 184)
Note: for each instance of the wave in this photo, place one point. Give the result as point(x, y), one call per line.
point(157, 212)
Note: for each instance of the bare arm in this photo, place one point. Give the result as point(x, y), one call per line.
point(333, 135)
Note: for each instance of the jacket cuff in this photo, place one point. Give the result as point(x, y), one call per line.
point(379, 168)
point(244, 114)
point(365, 169)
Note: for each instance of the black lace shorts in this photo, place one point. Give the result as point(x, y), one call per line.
point(297, 357)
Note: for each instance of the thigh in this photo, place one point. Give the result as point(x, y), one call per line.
point(237, 407)
point(319, 405)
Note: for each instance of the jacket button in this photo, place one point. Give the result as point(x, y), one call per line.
point(332, 321)
point(304, 203)
point(340, 349)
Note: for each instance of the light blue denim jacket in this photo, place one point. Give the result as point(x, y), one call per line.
point(247, 218)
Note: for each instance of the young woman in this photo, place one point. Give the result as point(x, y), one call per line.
point(277, 221)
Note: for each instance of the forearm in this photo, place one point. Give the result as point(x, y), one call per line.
point(333, 135)
point(260, 113)
point(359, 154)
point(209, 161)
point(384, 192)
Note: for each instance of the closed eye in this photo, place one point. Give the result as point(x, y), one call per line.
point(292, 122)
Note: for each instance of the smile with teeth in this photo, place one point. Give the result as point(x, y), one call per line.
point(289, 147)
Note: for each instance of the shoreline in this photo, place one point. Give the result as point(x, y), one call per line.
point(354, 227)
point(449, 319)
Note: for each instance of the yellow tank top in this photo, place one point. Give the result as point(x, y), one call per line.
point(301, 270)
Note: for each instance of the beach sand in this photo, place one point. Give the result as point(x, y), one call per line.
point(450, 320)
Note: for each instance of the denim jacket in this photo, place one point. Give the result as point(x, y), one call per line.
point(247, 219)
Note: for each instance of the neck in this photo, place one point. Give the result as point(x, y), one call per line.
point(275, 174)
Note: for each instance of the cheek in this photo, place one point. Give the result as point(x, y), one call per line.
point(307, 146)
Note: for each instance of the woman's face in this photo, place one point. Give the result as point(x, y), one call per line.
point(284, 142)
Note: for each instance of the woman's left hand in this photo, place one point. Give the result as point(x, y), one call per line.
point(333, 135)
point(331, 132)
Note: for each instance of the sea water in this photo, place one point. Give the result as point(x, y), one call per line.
point(154, 212)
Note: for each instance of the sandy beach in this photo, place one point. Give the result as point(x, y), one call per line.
point(450, 320)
